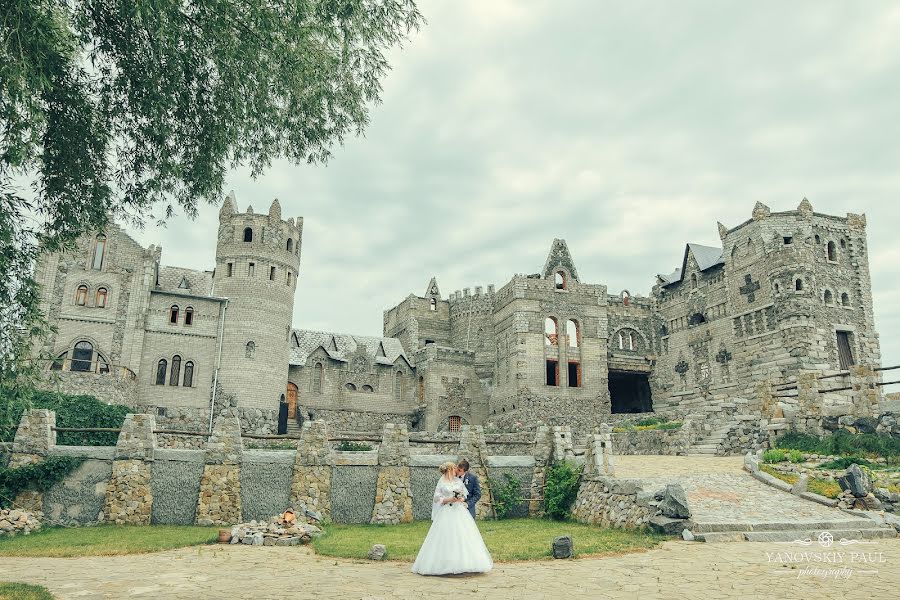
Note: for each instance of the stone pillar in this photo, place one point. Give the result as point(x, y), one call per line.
point(543, 457)
point(311, 481)
point(473, 448)
point(809, 401)
point(219, 501)
point(598, 457)
point(129, 498)
point(562, 443)
point(393, 494)
point(865, 393)
point(34, 439)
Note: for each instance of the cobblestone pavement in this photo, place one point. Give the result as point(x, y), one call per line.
point(720, 491)
point(675, 570)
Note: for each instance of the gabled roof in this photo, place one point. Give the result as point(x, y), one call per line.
point(177, 279)
point(707, 257)
point(310, 341)
point(559, 256)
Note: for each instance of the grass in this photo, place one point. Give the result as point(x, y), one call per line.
point(508, 540)
point(816, 485)
point(23, 591)
point(106, 540)
point(840, 443)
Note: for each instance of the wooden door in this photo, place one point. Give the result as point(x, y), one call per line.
point(292, 401)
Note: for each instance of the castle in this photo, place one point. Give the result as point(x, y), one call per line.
point(785, 294)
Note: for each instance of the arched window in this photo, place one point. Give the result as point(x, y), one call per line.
point(398, 386)
point(161, 371)
point(843, 244)
point(777, 287)
point(621, 340)
point(627, 339)
point(250, 350)
point(188, 380)
point(189, 316)
point(560, 279)
point(832, 252)
point(367, 388)
point(693, 281)
point(59, 362)
point(176, 370)
point(845, 299)
point(290, 245)
point(829, 298)
point(317, 374)
point(433, 304)
point(454, 423)
point(82, 357)
point(81, 295)
point(798, 285)
point(572, 333)
point(626, 298)
point(350, 387)
point(818, 239)
point(99, 251)
point(173, 314)
point(696, 319)
point(100, 301)
point(551, 332)
point(248, 234)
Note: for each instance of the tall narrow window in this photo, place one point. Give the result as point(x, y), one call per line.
point(621, 341)
point(560, 280)
point(552, 372)
point(551, 332)
point(398, 386)
point(829, 298)
point(693, 281)
point(271, 273)
point(82, 357)
point(832, 252)
point(433, 304)
point(81, 295)
point(574, 374)
point(176, 370)
point(250, 350)
point(454, 423)
point(161, 371)
point(188, 380)
point(251, 269)
point(100, 301)
point(845, 299)
point(99, 251)
point(248, 234)
point(572, 333)
point(798, 285)
point(290, 278)
point(173, 314)
point(230, 269)
point(290, 245)
point(317, 375)
point(189, 316)
point(632, 342)
point(845, 354)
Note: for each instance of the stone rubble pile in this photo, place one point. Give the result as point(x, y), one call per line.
point(274, 533)
point(15, 521)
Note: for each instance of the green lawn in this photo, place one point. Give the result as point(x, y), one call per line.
point(514, 539)
point(23, 591)
point(106, 540)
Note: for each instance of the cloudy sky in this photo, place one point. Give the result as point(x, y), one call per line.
point(627, 128)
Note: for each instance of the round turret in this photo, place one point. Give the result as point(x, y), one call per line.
point(257, 261)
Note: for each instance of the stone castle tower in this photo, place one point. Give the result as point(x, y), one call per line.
point(257, 262)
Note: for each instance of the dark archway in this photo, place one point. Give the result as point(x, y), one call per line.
point(629, 392)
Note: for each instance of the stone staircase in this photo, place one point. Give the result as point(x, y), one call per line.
point(710, 444)
point(293, 428)
point(789, 531)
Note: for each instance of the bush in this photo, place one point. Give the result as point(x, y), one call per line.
point(844, 443)
point(560, 489)
point(346, 446)
point(774, 456)
point(650, 421)
point(37, 476)
point(795, 456)
point(71, 411)
point(507, 496)
point(845, 461)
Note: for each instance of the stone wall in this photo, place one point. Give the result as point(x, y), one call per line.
point(219, 501)
point(611, 502)
point(129, 497)
point(313, 464)
point(651, 441)
point(116, 387)
point(393, 494)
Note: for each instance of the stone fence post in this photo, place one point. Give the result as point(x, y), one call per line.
point(311, 479)
point(562, 443)
point(34, 439)
point(598, 457)
point(129, 496)
point(219, 500)
point(865, 393)
point(393, 494)
point(473, 448)
point(543, 457)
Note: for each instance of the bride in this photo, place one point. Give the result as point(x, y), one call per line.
point(453, 543)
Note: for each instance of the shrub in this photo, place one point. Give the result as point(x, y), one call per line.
point(844, 443)
point(670, 425)
point(506, 496)
point(795, 456)
point(650, 421)
point(560, 489)
point(844, 462)
point(37, 476)
point(774, 456)
point(346, 446)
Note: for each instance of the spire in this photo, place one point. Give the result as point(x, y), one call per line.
point(805, 208)
point(761, 211)
point(249, 210)
point(723, 231)
point(432, 290)
point(228, 207)
point(559, 257)
point(275, 210)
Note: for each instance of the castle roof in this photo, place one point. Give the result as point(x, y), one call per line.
point(185, 281)
point(707, 257)
point(344, 346)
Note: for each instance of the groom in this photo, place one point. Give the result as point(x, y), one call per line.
point(473, 486)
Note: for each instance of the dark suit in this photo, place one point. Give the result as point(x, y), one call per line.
point(473, 487)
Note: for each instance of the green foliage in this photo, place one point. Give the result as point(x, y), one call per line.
point(844, 443)
point(106, 540)
point(115, 107)
point(795, 456)
point(845, 462)
point(346, 446)
point(650, 421)
point(24, 591)
point(71, 411)
point(560, 489)
point(38, 476)
point(507, 496)
point(647, 424)
point(774, 456)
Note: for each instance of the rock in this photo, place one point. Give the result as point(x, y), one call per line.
point(314, 515)
point(257, 539)
point(269, 541)
point(563, 547)
point(377, 552)
point(235, 540)
point(667, 525)
point(675, 504)
point(799, 486)
point(687, 536)
point(865, 425)
point(871, 502)
point(205, 523)
point(892, 520)
point(856, 481)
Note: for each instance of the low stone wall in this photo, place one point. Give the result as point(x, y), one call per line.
point(349, 420)
point(650, 441)
point(611, 502)
point(116, 387)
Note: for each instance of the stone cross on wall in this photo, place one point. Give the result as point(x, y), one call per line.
point(749, 289)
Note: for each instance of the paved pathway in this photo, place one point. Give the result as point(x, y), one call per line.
point(720, 491)
point(675, 570)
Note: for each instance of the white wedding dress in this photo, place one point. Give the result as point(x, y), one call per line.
point(453, 543)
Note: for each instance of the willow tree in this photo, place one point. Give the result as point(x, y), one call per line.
point(114, 107)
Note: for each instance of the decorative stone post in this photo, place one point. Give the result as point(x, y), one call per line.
point(473, 448)
point(543, 456)
point(311, 480)
point(865, 393)
point(129, 497)
point(562, 443)
point(219, 501)
point(393, 494)
point(809, 401)
point(34, 439)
